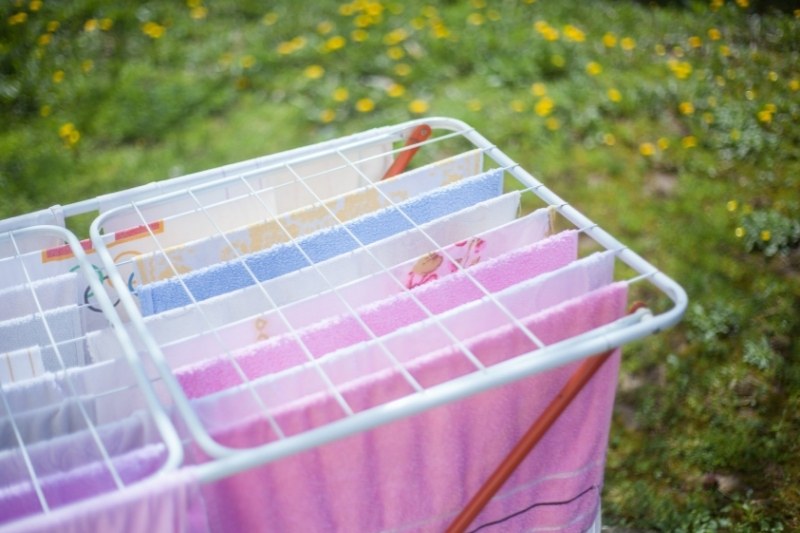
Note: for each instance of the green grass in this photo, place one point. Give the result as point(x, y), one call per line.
point(673, 125)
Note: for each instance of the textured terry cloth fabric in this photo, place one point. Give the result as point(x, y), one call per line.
point(319, 246)
point(248, 303)
point(381, 317)
point(21, 365)
point(166, 503)
point(63, 453)
point(44, 423)
point(66, 328)
point(51, 293)
point(417, 473)
point(327, 174)
point(406, 344)
point(88, 480)
point(216, 248)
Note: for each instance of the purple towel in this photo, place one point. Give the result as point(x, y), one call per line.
point(382, 317)
point(417, 473)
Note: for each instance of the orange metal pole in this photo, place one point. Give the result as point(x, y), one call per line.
point(418, 135)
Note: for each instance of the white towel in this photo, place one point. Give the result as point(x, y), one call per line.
point(52, 292)
point(21, 365)
point(65, 326)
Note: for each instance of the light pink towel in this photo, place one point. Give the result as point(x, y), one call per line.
point(168, 503)
point(381, 317)
point(417, 473)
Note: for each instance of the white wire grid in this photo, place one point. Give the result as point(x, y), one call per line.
point(55, 425)
point(201, 200)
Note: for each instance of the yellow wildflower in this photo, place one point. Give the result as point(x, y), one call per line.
point(573, 33)
point(552, 123)
point(418, 106)
point(772, 75)
point(476, 19)
point(609, 139)
point(708, 117)
point(395, 37)
point(247, 61)
point(544, 106)
point(35, 5)
point(396, 53)
point(732, 205)
point(724, 51)
point(402, 69)
point(681, 69)
point(663, 143)
point(695, 41)
point(53, 26)
point(341, 94)
point(69, 134)
point(44, 39)
point(365, 105)
point(794, 85)
point(609, 40)
point(58, 76)
point(327, 115)
point(325, 27)
point(17, 18)
point(538, 89)
point(765, 116)
point(269, 19)
point(614, 95)
point(739, 232)
point(660, 49)
point(593, 68)
point(358, 36)
point(750, 95)
point(314, 72)
point(90, 25)
point(627, 44)
point(87, 65)
point(686, 108)
point(690, 141)
point(743, 3)
point(395, 90)
point(199, 12)
point(647, 149)
point(154, 30)
point(765, 235)
point(714, 34)
point(106, 23)
point(716, 4)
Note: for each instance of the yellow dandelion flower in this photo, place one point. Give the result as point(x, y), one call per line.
point(418, 23)
point(550, 34)
point(17, 18)
point(627, 43)
point(708, 117)
point(87, 65)
point(517, 105)
point(154, 30)
point(540, 26)
point(743, 3)
point(475, 19)
point(573, 33)
point(58, 76)
point(690, 141)
point(609, 40)
point(199, 12)
point(724, 51)
point(395, 90)
point(53, 26)
point(363, 21)
point(772, 75)
point(647, 149)
point(374, 9)
point(402, 69)
point(609, 139)
point(794, 85)
point(474, 105)
point(681, 69)
point(358, 36)
point(765, 235)
point(552, 123)
point(395, 53)
point(695, 41)
point(538, 89)
point(314, 72)
point(716, 4)
point(44, 39)
point(686, 108)
point(736, 134)
point(285, 48)
point(90, 25)
point(74, 137)
point(739, 232)
point(732, 205)
point(395, 37)
point(325, 27)
point(772, 108)
point(247, 61)
point(35, 5)
point(750, 95)
point(418, 106)
point(764, 116)
point(593, 68)
point(341, 94)
point(365, 105)
point(327, 115)
point(614, 95)
point(269, 19)
point(663, 143)
point(714, 34)
point(106, 24)
point(660, 49)
point(440, 31)
point(544, 106)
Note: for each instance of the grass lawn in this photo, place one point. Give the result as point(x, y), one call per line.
point(673, 124)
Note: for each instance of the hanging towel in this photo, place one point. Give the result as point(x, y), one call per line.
point(224, 309)
point(166, 503)
point(64, 324)
point(283, 258)
point(381, 317)
point(51, 292)
point(44, 423)
point(407, 343)
point(208, 251)
point(416, 474)
point(21, 365)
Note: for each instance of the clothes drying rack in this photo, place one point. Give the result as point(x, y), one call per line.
point(133, 222)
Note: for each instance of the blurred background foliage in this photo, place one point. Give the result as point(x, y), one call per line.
point(673, 124)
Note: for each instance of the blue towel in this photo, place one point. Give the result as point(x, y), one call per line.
point(284, 258)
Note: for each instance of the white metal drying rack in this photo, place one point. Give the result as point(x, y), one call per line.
point(229, 461)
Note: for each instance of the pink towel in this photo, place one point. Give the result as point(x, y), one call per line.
point(170, 503)
point(381, 317)
point(417, 473)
